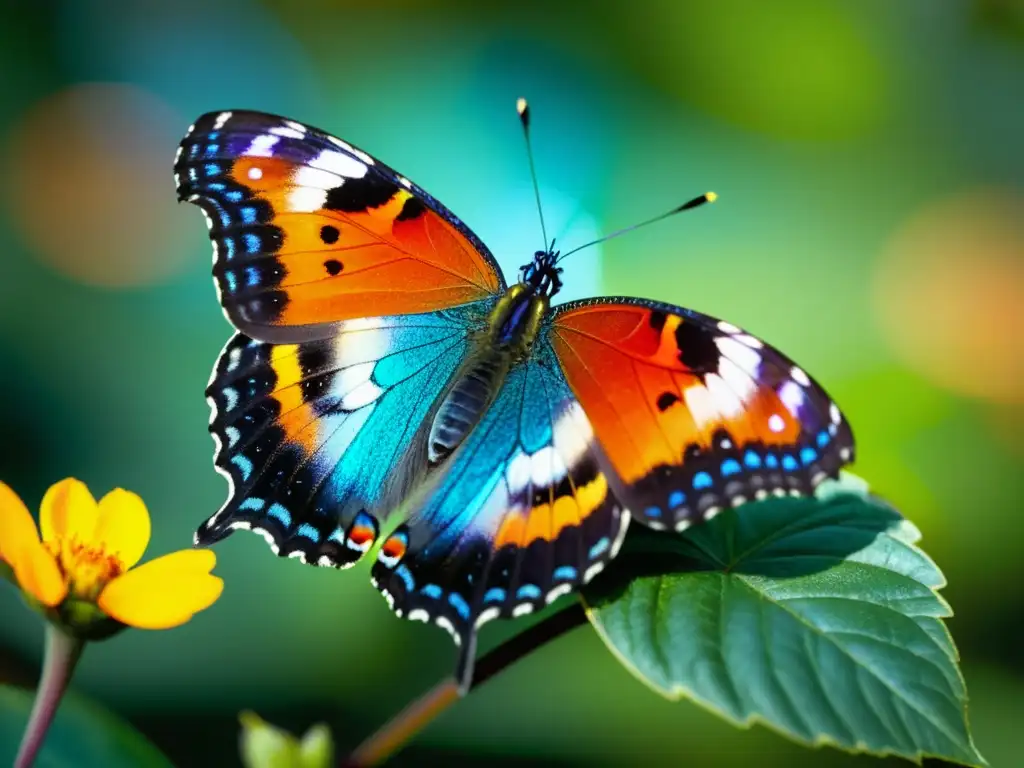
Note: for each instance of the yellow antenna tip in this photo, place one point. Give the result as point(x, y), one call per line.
point(521, 105)
point(711, 196)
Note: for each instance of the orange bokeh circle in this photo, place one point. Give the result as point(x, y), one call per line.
point(949, 294)
point(89, 188)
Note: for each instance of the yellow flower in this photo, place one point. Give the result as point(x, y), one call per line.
point(86, 554)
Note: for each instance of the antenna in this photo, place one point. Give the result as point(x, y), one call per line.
point(707, 197)
point(524, 117)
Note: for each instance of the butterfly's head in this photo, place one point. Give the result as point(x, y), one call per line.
point(542, 275)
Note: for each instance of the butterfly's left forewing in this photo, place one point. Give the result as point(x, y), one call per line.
point(309, 231)
point(692, 413)
point(521, 514)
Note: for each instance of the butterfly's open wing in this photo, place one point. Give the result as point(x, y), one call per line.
point(312, 436)
point(693, 413)
point(309, 230)
point(520, 514)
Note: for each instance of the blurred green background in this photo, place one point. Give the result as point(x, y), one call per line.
point(868, 155)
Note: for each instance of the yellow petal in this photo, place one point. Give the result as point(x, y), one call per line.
point(165, 592)
point(37, 573)
point(122, 527)
point(17, 528)
point(68, 511)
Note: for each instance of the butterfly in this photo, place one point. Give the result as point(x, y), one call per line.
point(382, 363)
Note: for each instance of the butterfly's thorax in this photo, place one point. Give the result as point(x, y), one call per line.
point(511, 330)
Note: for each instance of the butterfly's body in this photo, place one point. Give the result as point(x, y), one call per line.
point(512, 328)
point(382, 365)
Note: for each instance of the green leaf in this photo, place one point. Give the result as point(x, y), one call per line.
point(83, 735)
point(818, 617)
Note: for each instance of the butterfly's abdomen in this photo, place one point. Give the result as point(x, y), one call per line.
point(464, 404)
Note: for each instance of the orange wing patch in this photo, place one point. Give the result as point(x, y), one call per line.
point(309, 230)
point(693, 413)
point(296, 414)
point(646, 404)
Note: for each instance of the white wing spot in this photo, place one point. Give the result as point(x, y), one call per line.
point(557, 592)
point(287, 132)
point(751, 341)
point(262, 146)
point(592, 571)
point(799, 376)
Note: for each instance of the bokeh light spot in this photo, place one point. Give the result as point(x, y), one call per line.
point(88, 185)
point(949, 292)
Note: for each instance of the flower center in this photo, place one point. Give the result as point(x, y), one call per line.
point(88, 569)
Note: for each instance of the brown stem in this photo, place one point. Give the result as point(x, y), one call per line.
point(416, 716)
point(59, 660)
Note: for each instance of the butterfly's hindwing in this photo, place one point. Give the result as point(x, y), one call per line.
point(519, 515)
point(693, 413)
point(309, 231)
point(311, 435)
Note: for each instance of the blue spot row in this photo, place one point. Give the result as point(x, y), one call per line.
point(752, 459)
point(231, 280)
point(730, 467)
point(808, 455)
point(252, 277)
point(432, 591)
point(230, 398)
point(251, 505)
point(251, 241)
point(528, 592)
point(494, 595)
point(789, 463)
point(283, 515)
point(248, 214)
point(459, 603)
point(405, 575)
point(308, 531)
point(599, 548)
point(243, 464)
point(823, 438)
point(702, 480)
point(676, 499)
point(564, 573)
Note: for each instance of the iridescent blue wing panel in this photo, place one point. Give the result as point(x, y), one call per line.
point(314, 437)
point(520, 514)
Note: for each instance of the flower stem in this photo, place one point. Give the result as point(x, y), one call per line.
point(59, 660)
point(420, 713)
